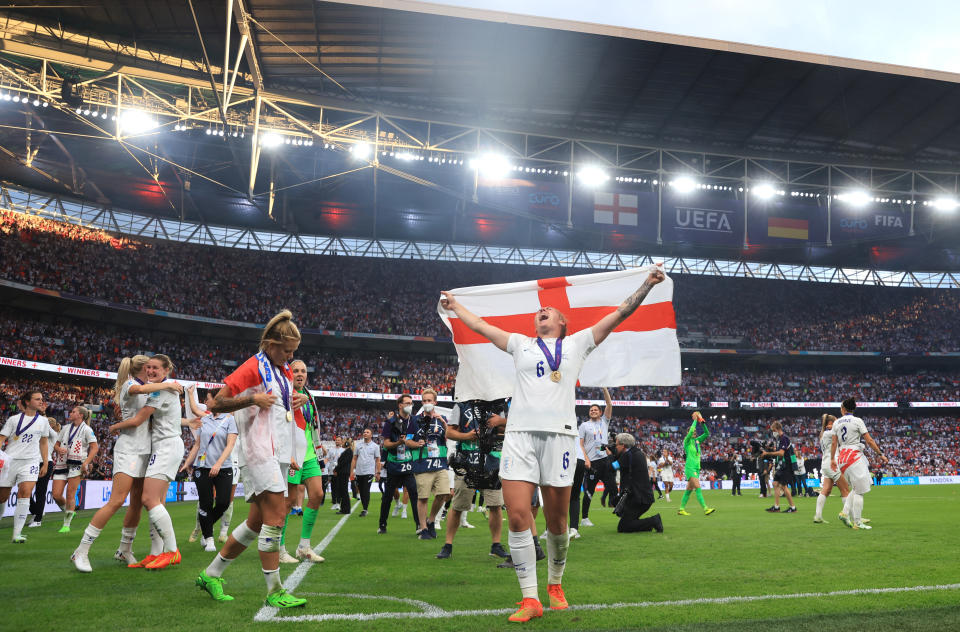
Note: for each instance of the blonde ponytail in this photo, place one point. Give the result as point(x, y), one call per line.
point(280, 329)
point(824, 420)
point(128, 367)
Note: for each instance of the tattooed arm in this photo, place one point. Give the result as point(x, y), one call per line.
point(606, 324)
point(225, 402)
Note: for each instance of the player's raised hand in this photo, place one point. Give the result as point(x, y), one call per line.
point(656, 276)
point(449, 302)
point(697, 416)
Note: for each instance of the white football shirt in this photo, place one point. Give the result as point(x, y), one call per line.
point(27, 442)
point(826, 441)
point(165, 420)
point(83, 436)
point(849, 431)
point(594, 435)
point(132, 440)
point(539, 403)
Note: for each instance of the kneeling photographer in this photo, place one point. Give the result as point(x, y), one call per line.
point(636, 495)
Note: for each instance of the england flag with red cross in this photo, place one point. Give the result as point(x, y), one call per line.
point(642, 351)
point(614, 208)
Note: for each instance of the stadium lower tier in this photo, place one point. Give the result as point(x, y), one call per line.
point(917, 444)
point(82, 347)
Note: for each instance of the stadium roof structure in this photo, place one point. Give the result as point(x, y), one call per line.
point(171, 108)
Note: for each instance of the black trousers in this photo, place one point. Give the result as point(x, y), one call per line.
point(325, 480)
point(341, 483)
point(630, 521)
point(38, 502)
point(736, 485)
point(600, 470)
point(763, 483)
point(335, 489)
point(208, 509)
point(395, 482)
point(578, 473)
point(363, 482)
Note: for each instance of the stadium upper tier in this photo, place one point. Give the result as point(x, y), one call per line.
point(394, 296)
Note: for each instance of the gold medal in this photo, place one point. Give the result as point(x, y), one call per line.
point(16, 437)
point(556, 376)
point(289, 416)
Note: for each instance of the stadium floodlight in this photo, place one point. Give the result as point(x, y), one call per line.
point(492, 166)
point(271, 139)
point(946, 204)
point(136, 122)
point(684, 184)
point(856, 198)
point(360, 151)
point(592, 176)
point(764, 191)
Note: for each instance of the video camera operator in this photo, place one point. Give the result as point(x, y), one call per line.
point(736, 473)
point(478, 428)
point(784, 476)
point(636, 492)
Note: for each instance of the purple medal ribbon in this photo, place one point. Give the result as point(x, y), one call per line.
point(20, 421)
point(71, 435)
point(552, 361)
point(284, 390)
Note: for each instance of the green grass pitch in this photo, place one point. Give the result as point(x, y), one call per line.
point(794, 574)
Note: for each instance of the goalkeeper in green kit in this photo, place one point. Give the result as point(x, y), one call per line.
point(691, 467)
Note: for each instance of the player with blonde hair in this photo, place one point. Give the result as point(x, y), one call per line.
point(260, 394)
point(75, 450)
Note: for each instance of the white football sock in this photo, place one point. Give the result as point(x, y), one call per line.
point(273, 580)
point(20, 515)
point(556, 555)
point(156, 542)
point(217, 566)
point(127, 536)
point(90, 535)
point(821, 501)
point(68, 518)
point(160, 520)
point(857, 506)
point(226, 518)
point(524, 556)
point(848, 504)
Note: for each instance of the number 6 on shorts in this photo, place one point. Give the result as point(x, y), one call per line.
point(566, 460)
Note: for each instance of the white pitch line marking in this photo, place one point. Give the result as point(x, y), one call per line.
point(266, 613)
point(437, 613)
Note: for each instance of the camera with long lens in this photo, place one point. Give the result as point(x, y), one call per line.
point(480, 469)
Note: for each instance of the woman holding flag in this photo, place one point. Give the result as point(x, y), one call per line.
point(540, 444)
point(260, 394)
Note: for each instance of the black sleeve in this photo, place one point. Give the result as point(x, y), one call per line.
point(344, 462)
point(640, 476)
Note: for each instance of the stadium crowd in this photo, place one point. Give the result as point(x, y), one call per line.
point(202, 280)
point(74, 342)
point(916, 445)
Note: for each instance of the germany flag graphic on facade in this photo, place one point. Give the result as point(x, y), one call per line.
point(788, 228)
